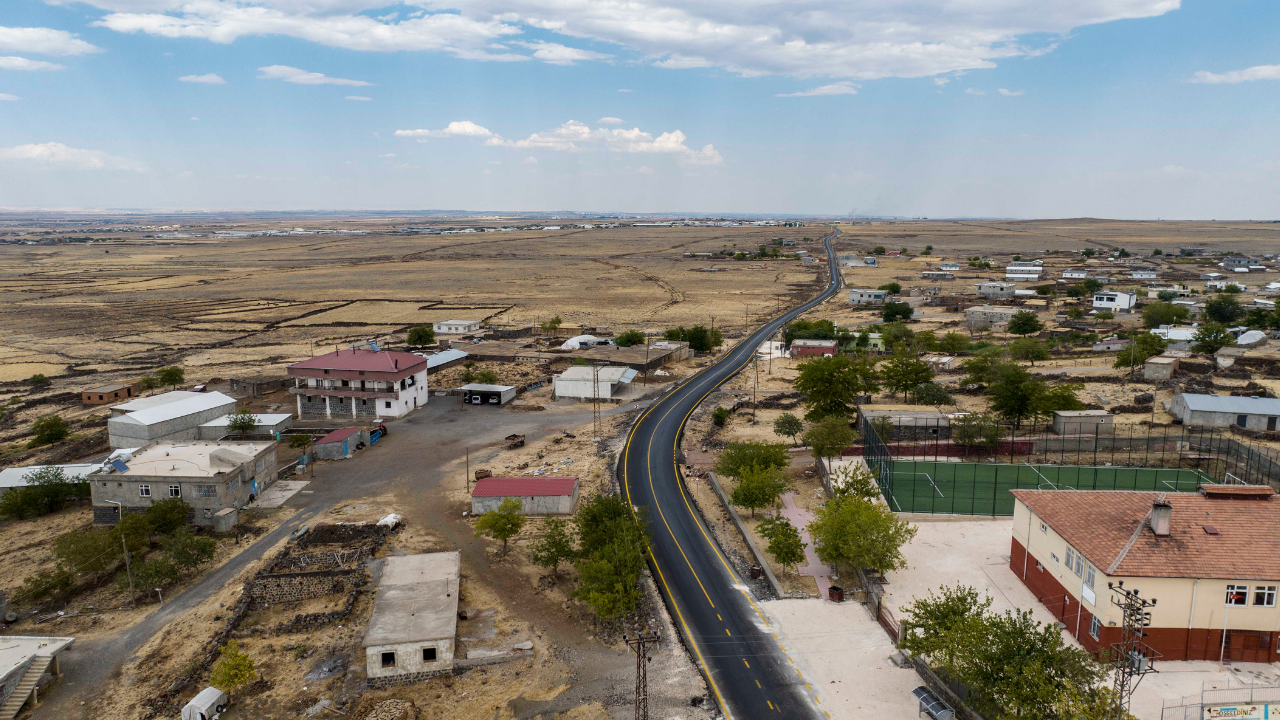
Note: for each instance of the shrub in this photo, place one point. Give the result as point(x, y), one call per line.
point(892, 288)
point(629, 338)
point(737, 457)
point(487, 377)
point(234, 668)
point(895, 311)
point(720, 416)
point(49, 430)
point(242, 422)
point(168, 515)
point(421, 335)
point(39, 381)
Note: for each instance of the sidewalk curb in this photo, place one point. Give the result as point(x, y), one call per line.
point(746, 535)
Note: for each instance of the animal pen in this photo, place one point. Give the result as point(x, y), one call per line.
point(927, 468)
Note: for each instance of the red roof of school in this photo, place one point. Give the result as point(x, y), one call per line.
point(338, 435)
point(524, 486)
point(386, 361)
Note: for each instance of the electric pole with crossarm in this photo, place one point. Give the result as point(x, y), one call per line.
point(641, 645)
point(1133, 656)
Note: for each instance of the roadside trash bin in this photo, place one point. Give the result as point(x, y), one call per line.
point(756, 572)
point(836, 594)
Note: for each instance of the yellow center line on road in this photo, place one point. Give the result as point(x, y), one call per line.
point(744, 662)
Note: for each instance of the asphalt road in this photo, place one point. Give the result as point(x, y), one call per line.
point(748, 669)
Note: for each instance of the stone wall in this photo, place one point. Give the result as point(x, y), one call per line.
point(314, 407)
point(310, 621)
point(387, 681)
point(269, 589)
point(367, 408)
point(335, 560)
point(344, 535)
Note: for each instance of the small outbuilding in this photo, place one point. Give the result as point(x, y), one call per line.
point(1252, 413)
point(583, 383)
point(1111, 344)
point(25, 660)
point(813, 348)
point(340, 443)
point(104, 394)
point(456, 327)
point(267, 424)
point(1160, 367)
point(537, 495)
point(411, 634)
point(480, 394)
point(1083, 422)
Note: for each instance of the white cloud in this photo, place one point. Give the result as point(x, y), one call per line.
point(302, 77)
point(840, 88)
point(574, 137)
point(457, 128)
point(1010, 93)
point(610, 121)
point(625, 90)
point(194, 118)
point(557, 54)
point(8, 98)
point(940, 81)
point(206, 79)
point(44, 41)
point(971, 91)
point(1257, 72)
point(531, 160)
point(645, 170)
point(55, 154)
point(387, 155)
point(13, 62)
point(359, 98)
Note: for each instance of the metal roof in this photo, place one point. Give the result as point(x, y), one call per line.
point(444, 356)
point(610, 374)
point(524, 486)
point(1231, 404)
point(171, 410)
point(268, 419)
point(143, 403)
point(338, 435)
point(487, 388)
point(386, 361)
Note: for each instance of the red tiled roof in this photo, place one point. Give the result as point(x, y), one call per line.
point(1100, 524)
point(338, 435)
point(524, 486)
point(387, 361)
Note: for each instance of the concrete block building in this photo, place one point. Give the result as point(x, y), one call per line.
point(209, 476)
point(456, 327)
point(988, 316)
point(267, 424)
point(1083, 422)
point(580, 382)
point(1121, 302)
point(24, 662)
point(867, 297)
point(411, 634)
point(813, 348)
point(538, 495)
point(1251, 413)
point(360, 384)
point(168, 417)
point(1198, 554)
point(993, 289)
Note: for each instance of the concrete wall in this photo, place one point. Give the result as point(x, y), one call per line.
point(10, 682)
point(232, 489)
point(124, 434)
point(409, 664)
point(1203, 418)
point(532, 505)
point(333, 450)
point(581, 389)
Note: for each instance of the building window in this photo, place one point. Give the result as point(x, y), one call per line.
point(388, 404)
point(388, 659)
point(1241, 420)
point(1237, 594)
point(428, 654)
point(144, 491)
point(261, 464)
point(206, 491)
point(1054, 558)
point(1088, 575)
point(1079, 565)
point(1044, 528)
point(1071, 559)
point(1095, 628)
point(1264, 595)
point(175, 491)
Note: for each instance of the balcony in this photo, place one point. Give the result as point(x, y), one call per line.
point(345, 392)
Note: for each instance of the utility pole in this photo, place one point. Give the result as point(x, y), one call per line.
point(646, 357)
point(128, 572)
point(755, 394)
point(468, 477)
point(641, 645)
point(1133, 656)
point(595, 401)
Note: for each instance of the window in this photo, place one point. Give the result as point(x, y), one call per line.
point(1237, 594)
point(175, 491)
point(1071, 559)
point(1079, 565)
point(144, 491)
point(1264, 595)
point(1241, 420)
point(1088, 575)
point(388, 404)
point(1044, 528)
point(1054, 558)
point(388, 659)
point(261, 464)
point(428, 654)
point(206, 491)
point(1095, 628)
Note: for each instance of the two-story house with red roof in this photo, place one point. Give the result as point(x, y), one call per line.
point(359, 384)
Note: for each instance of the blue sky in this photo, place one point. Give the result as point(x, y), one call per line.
point(939, 108)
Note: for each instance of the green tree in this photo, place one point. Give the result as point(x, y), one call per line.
point(420, 335)
point(1088, 252)
point(1091, 285)
point(555, 546)
point(720, 416)
point(300, 441)
point(242, 422)
point(1050, 399)
point(953, 342)
point(701, 339)
point(785, 543)
point(788, 425)
point(90, 551)
point(941, 628)
point(1223, 309)
point(857, 481)
point(503, 523)
point(832, 385)
point(925, 341)
point(1231, 288)
point(1210, 338)
point(1105, 315)
point(1075, 313)
point(892, 288)
point(1167, 295)
point(808, 330)
point(1029, 349)
point(599, 519)
point(985, 365)
point(895, 311)
point(550, 326)
point(149, 382)
point(39, 381)
point(878, 250)
point(169, 515)
point(896, 333)
point(737, 457)
point(487, 377)
point(904, 371)
point(1143, 347)
point(975, 431)
point(1025, 322)
point(1163, 313)
point(147, 574)
point(857, 533)
point(829, 437)
point(233, 670)
point(48, 489)
point(931, 393)
point(758, 487)
point(928, 250)
point(629, 338)
point(187, 551)
point(171, 376)
point(611, 546)
point(48, 430)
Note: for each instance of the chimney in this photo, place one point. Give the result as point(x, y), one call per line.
point(1161, 515)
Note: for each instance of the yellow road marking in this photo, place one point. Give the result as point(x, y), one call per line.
point(771, 707)
point(744, 662)
point(726, 632)
point(759, 685)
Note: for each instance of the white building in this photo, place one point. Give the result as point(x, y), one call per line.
point(359, 384)
point(172, 417)
point(411, 634)
point(953, 267)
point(1222, 285)
point(937, 275)
point(1022, 274)
point(456, 327)
point(1114, 301)
point(582, 382)
point(867, 297)
point(1178, 338)
point(1075, 274)
point(1144, 274)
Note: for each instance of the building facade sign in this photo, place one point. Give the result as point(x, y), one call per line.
point(1239, 711)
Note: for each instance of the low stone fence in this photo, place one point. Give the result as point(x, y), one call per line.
point(272, 588)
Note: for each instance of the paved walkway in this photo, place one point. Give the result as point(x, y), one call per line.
point(800, 518)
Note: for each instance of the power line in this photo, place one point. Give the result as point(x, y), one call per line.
point(641, 645)
point(1133, 656)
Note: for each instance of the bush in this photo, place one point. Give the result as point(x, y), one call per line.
point(892, 288)
point(931, 393)
point(737, 457)
point(49, 430)
point(720, 416)
point(629, 338)
point(421, 335)
point(895, 311)
point(39, 382)
point(487, 377)
point(168, 515)
point(234, 668)
point(1105, 315)
point(48, 490)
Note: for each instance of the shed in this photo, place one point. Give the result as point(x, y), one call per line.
point(267, 424)
point(340, 443)
point(579, 382)
point(538, 495)
point(104, 394)
point(943, 363)
point(479, 394)
point(813, 348)
point(1251, 413)
point(1083, 422)
point(1160, 367)
point(1111, 344)
point(411, 633)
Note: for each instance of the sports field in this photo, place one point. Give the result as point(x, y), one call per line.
point(983, 488)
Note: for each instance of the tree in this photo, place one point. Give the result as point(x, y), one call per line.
point(629, 338)
point(1157, 251)
point(242, 422)
point(1223, 309)
point(758, 487)
point(503, 523)
point(701, 339)
point(1232, 288)
point(938, 628)
point(1163, 313)
point(1088, 252)
point(171, 376)
point(1025, 322)
point(187, 551)
point(904, 371)
point(300, 441)
point(148, 574)
point(1210, 338)
point(421, 335)
point(550, 326)
point(47, 490)
point(928, 250)
point(858, 533)
point(487, 377)
point(895, 311)
point(149, 382)
point(931, 393)
point(1165, 296)
point(975, 431)
point(785, 544)
point(832, 385)
point(1029, 349)
point(829, 437)
point(737, 457)
point(953, 342)
point(925, 341)
point(720, 416)
point(1075, 313)
point(233, 670)
point(555, 546)
point(857, 481)
point(878, 250)
point(611, 547)
point(892, 288)
point(169, 515)
point(1091, 285)
point(1049, 400)
point(788, 425)
point(808, 330)
point(48, 430)
point(39, 381)
point(1142, 348)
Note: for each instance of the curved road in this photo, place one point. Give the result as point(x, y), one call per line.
point(747, 668)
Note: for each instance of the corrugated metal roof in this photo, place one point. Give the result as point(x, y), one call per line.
point(169, 411)
point(610, 374)
point(387, 361)
point(480, 387)
point(524, 486)
point(1230, 404)
point(16, 476)
point(444, 356)
point(338, 435)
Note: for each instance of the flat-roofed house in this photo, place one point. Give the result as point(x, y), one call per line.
point(456, 327)
point(988, 316)
point(1252, 413)
point(587, 383)
point(412, 632)
point(24, 662)
point(1114, 301)
point(867, 297)
point(993, 289)
point(360, 384)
